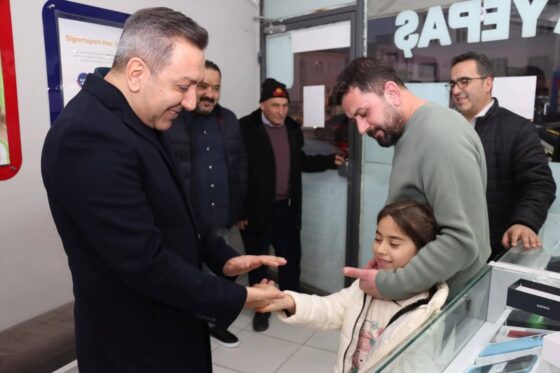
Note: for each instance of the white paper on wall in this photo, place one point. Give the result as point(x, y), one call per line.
point(314, 106)
point(517, 94)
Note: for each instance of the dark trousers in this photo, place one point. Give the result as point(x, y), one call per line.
point(284, 236)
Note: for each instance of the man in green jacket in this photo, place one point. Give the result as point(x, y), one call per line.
point(438, 160)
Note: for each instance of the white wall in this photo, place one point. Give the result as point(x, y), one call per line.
point(34, 276)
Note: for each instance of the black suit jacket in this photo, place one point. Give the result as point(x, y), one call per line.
point(142, 302)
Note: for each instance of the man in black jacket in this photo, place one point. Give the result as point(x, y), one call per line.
point(211, 153)
point(119, 203)
point(274, 143)
point(520, 184)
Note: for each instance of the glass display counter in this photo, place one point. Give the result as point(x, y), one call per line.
point(478, 318)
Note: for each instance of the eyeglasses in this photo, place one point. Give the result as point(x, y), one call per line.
point(461, 82)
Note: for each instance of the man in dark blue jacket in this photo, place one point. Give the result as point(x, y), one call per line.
point(520, 184)
point(209, 146)
point(274, 143)
point(118, 201)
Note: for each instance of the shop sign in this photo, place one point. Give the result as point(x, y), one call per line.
point(469, 15)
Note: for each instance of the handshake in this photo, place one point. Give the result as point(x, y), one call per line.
point(263, 297)
point(277, 301)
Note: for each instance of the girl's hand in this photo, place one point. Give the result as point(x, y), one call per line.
point(278, 304)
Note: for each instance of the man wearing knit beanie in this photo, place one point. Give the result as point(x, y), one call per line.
point(273, 88)
point(274, 143)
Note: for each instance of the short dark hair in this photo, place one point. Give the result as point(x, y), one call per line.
point(365, 73)
point(212, 66)
point(483, 64)
point(414, 219)
point(151, 33)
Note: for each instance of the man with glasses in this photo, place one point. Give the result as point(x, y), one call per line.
point(520, 184)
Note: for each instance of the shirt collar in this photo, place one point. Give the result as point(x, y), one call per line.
point(269, 123)
point(482, 112)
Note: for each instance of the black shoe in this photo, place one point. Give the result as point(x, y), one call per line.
point(260, 321)
point(223, 337)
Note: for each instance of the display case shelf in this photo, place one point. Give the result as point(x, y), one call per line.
point(452, 340)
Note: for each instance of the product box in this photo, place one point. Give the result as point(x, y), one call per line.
point(532, 322)
point(551, 347)
point(536, 298)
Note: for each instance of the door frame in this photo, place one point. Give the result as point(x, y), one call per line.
point(356, 15)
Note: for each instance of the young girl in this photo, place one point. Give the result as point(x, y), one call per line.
point(371, 328)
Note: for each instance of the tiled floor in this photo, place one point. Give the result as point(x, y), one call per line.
point(282, 348)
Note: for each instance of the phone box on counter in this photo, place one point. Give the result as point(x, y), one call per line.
point(536, 298)
point(551, 348)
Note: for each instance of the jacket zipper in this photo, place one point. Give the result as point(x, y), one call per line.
point(353, 332)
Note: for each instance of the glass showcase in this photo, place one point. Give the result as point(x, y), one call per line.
point(478, 332)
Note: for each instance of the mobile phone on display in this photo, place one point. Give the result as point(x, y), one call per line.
point(530, 320)
point(513, 345)
point(522, 364)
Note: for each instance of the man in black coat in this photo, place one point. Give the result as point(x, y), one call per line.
point(274, 143)
point(520, 184)
point(142, 303)
point(211, 153)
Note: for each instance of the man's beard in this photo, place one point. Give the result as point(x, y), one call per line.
point(205, 111)
point(207, 99)
point(392, 130)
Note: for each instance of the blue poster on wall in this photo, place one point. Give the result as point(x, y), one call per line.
point(78, 38)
